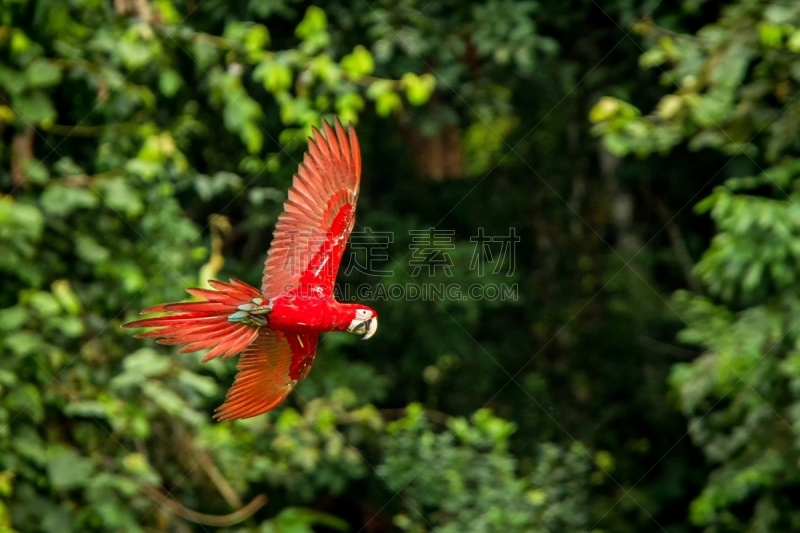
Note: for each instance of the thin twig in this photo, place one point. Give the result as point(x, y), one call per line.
point(667, 349)
point(162, 498)
point(432, 415)
point(679, 247)
point(84, 180)
point(87, 131)
point(224, 488)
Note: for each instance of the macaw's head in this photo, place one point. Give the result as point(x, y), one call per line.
point(364, 322)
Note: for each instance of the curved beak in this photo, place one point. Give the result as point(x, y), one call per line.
point(372, 327)
point(366, 327)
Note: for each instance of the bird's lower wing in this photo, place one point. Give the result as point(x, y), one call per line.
point(267, 373)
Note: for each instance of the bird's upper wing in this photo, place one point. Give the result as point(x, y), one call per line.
point(268, 370)
point(311, 233)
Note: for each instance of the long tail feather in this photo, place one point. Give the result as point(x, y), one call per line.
point(203, 325)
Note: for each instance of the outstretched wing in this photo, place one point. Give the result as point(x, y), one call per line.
point(311, 233)
point(268, 370)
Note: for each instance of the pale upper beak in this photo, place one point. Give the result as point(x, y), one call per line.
point(366, 327)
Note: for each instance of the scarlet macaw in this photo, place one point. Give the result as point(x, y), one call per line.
point(276, 330)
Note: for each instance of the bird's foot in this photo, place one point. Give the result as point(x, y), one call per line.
point(253, 313)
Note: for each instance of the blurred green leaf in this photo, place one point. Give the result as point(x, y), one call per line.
point(358, 64)
point(68, 470)
point(42, 73)
point(59, 200)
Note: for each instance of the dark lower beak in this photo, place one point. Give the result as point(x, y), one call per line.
point(367, 328)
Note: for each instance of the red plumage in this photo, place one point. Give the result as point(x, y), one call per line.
point(276, 329)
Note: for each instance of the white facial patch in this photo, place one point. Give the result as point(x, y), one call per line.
point(364, 323)
point(363, 314)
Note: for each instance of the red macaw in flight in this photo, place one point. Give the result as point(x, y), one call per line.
point(276, 329)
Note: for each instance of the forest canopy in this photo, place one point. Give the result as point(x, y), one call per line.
point(597, 202)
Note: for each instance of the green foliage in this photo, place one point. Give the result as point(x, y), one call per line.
point(468, 480)
point(127, 130)
point(296, 520)
point(147, 147)
point(466, 53)
point(735, 84)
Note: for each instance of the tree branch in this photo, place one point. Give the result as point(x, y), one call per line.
point(85, 131)
point(220, 482)
point(676, 240)
point(432, 415)
point(21, 151)
point(162, 498)
point(85, 180)
point(667, 349)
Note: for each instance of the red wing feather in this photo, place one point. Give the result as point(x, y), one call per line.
point(312, 232)
point(265, 375)
point(203, 325)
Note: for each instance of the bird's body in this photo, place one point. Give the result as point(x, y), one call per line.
point(276, 329)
